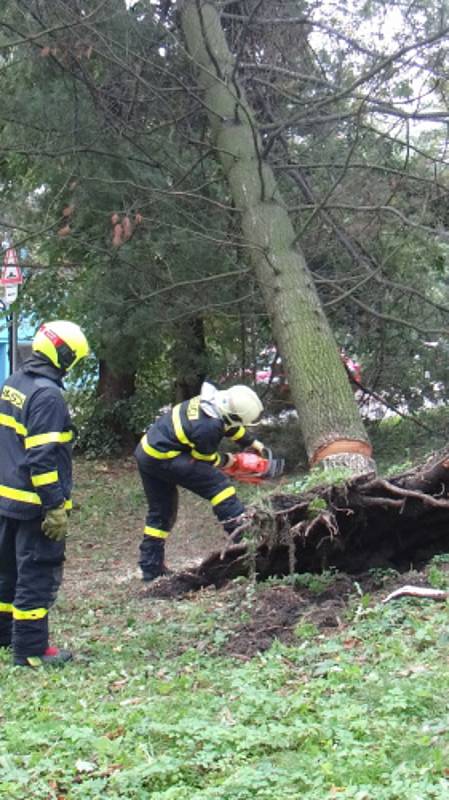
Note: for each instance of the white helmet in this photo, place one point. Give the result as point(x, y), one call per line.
point(238, 405)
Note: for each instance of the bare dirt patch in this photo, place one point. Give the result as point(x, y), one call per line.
point(287, 613)
point(279, 610)
point(290, 613)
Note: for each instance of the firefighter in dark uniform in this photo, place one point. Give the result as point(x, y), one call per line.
point(180, 449)
point(35, 486)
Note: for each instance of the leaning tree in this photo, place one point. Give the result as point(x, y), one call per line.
point(329, 418)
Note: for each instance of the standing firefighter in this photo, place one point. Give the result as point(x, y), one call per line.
point(35, 487)
point(180, 449)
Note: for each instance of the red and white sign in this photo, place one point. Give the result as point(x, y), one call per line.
point(11, 272)
point(10, 293)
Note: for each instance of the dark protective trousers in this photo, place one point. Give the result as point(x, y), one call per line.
point(160, 479)
point(31, 567)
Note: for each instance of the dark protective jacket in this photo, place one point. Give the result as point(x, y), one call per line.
point(35, 441)
point(188, 429)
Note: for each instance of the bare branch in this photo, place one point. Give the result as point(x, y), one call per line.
point(34, 37)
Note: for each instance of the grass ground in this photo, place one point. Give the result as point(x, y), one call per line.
point(306, 688)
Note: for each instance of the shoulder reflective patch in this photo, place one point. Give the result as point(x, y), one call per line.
point(13, 396)
point(193, 409)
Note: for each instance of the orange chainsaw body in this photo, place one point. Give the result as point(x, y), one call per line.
point(252, 468)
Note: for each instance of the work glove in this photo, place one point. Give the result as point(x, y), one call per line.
point(55, 523)
point(258, 447)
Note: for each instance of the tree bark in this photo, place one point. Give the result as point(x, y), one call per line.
point(113, 387)
point(189, 358)
point(328, 415)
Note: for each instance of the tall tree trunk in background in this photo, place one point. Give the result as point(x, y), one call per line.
point(189, 358)
point(113, 387)
point(328, 414)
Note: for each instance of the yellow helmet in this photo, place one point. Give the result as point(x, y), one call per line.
point(62, 342)
point(238, 405)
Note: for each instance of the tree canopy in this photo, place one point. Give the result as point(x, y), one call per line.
point(112, 181)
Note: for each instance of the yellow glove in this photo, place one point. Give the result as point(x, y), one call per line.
point(258, 447)
point(55, 523)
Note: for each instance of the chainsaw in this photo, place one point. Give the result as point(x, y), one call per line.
point(252, 468)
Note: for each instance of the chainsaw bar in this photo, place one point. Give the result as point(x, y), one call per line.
point(276, 467)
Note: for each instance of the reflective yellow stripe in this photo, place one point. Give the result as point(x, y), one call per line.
point(19, 494)
point(150, 451)
point(6, 608)
point(203, 456)
point(9, 422)
point(177, 424)
point(240, 432)
point(155, 532)
point(45, 478)
point(223, 495)
point(33, 613)
point(27, 497)
point(54, 437)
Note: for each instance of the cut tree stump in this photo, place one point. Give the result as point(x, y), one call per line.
point(367, 522)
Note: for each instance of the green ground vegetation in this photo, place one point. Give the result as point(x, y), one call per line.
point(154, 711)
point(157, 705)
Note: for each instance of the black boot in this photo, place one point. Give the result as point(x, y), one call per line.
point(52, 656)
point(151, 562)
point(5, 629)
point(150, 575)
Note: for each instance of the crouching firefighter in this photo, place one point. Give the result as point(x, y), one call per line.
point(35, 487)
point(180, 449)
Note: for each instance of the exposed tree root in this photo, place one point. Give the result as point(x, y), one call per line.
point(417, 591)
point(365, 523)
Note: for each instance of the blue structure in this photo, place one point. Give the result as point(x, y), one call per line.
point(25, 334)
point(25, 330)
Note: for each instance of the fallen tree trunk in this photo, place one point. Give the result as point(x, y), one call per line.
point(328, 416)
point(367, 522)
